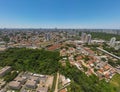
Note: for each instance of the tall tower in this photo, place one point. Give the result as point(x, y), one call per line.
point(112, 42)
point(47, 37)
point(83, 36)
point(88, 39)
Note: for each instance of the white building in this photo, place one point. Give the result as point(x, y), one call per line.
point(47, 36)
point(88, 39)
point(112, 42)
point(83, 36)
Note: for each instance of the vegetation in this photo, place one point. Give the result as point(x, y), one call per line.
point(102, 35)
point(112, 50)
point(46, 62)
point(86, 58)
point(6, 39)
point(83, 83)
point(54, 82)
point(114, 63)
point(10, 76)
point(71, 45)
point(103, 59)
point(92, 46)
point(115, 83)
point(22, 59)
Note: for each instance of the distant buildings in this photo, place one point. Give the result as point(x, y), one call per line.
point(86, 38)
point(112, 42)
point(83, 36)
point(115, 44)
point(47, 36)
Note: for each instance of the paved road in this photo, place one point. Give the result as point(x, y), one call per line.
point(56, 86)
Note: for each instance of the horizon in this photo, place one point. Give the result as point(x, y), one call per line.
point(64, 14)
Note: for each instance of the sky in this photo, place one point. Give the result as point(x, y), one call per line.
point(60, 14)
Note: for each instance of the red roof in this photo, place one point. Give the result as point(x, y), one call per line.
point(63, 90)
point(54, 47)
point(106, 67)
point(79, 57)
point(89, 50)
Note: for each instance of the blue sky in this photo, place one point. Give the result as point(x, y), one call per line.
point(60, 13)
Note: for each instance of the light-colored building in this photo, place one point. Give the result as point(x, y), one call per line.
point(112, 42)
point(20, 79)
point(35, 78)
point(88, 38)
point(5, 70)
point(117, 47)
point(14, 85)
point(42, 89)
point(31, 84)
point(47, 36)
point(83, 36)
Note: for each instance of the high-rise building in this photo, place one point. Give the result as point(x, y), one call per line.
point(47, 36)
point(112, 42)
point(88, 38)
point(83, 36)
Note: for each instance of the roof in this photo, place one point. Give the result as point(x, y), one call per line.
point(42, 89)
point(54, 47)
point(20, 79)
point(34, 78)
point(79, 57)
point(31, 83)
point(14, 84)
point(5, 69)
point(89, 50)
point(106, 67)
point(63, 90)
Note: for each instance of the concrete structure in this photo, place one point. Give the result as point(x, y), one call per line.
point(14, 85)
point(117, 47)
point(112, 42)
point(42, 89)
point(108, 53)
point(34, 78)
point(83, 36)
point(43, 79)
point(31, 84)
point(47, 36)
point(88, 39)
point(20, 79)
point(5, 70)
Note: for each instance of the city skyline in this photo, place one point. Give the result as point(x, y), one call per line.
point(103, 14)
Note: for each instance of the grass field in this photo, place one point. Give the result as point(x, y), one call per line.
point(115, 83)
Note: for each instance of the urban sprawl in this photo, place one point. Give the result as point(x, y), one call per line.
point(79, 47)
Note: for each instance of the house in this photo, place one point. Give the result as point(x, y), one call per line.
point(63, 90)
point(35, 78)
point(42, 89)
point(22, 80)
point(14, 85)
point(106, 67)
point(31, 84)
point(43, 79)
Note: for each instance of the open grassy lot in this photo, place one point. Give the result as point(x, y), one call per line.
point(115, 83)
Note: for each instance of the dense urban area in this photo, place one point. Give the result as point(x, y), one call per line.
point(59, 60)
